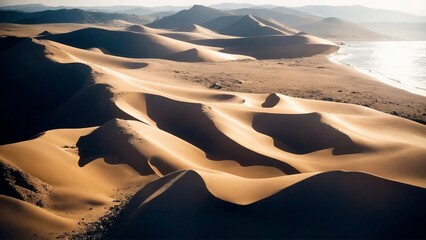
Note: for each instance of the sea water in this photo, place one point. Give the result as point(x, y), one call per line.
point(401, 64)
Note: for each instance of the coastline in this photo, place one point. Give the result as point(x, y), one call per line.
point(393, 83)
point(380, 76)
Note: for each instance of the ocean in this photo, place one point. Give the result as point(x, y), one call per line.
point(401, 64)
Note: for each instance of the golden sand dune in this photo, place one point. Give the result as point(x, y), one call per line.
point(143, 42)
point(274, 46)
point(204, 163)
point(287, 213)
point(256, 26)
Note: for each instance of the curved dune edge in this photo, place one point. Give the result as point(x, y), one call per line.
point(125, 127)
point(18, 216)
point(178, 45)
point(150, 213)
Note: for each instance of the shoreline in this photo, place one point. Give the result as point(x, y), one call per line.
point(378, 76)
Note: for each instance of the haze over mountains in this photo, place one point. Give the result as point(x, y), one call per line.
point(68, 16)
point(359, 14)
point(347, 22)
point(333, 28)
point(95, 115)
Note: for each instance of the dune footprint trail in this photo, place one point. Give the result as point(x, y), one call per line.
point(203, 163)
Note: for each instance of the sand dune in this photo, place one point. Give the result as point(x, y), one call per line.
point(250, 26)
point(255, 26)
point(272, 47)
point(195, 15)
point(151, 214)
point(128, 43)
point(37, 90)
point(198, 162)
point(335, 28)
point(139, 44)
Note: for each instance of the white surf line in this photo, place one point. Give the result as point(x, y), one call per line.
point(333, 58)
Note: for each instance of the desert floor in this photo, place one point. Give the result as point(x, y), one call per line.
point(310, 78)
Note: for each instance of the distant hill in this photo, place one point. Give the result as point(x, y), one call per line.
point(232, 6)
point(359, 14)
point(255, 26)
point(12, 16)
point(220, 23)
point(27, 8)
point(250, 26)
point(283, 15)
point(335, 28)
point(67, 16)
point(406, 31)
point(196, 15)
point(158, 15)
point(136, 11)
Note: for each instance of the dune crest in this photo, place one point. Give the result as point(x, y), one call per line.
point(202, 162)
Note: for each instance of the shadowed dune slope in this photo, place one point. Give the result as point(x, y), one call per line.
point(250, 26)
point(255, 26)
point(150, 45)
point(137, 44)
point(92, 106)
point(287, 16)
point(195, 15)
point(199, 163)
point(29, 92)
point(120, 43)
point(304, 133)
point(221, 22)
point(330, 205)
point(270, 47)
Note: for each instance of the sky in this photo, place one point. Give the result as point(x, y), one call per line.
point(411, 6)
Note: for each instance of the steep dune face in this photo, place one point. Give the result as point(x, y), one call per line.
point(28, 96)
point(50, 193)
point(284, 28)
point(207, 163)
point(270, 47)
point(140, 44)
point(304, 133)
point(152, 44)
point(286, 214)
point(126, 44)
point(195, 15)
point(255, 26)
point(97, 103)
point(194, 28)
point(221, 22)
point(250, 26)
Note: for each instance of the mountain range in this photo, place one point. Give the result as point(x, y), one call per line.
point(342, 22)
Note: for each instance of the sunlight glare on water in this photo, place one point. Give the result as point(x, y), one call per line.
point(398, 63)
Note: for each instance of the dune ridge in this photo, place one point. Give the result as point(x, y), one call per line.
point(161, 43)
point(218, 219)
point(239, 164)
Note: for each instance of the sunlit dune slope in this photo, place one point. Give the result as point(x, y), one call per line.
point(202, 162)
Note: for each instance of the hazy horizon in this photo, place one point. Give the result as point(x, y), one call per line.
point(417, 7)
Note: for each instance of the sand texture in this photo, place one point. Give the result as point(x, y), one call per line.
point(135, 132)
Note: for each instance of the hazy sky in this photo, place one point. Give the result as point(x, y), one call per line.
point(412, 6)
